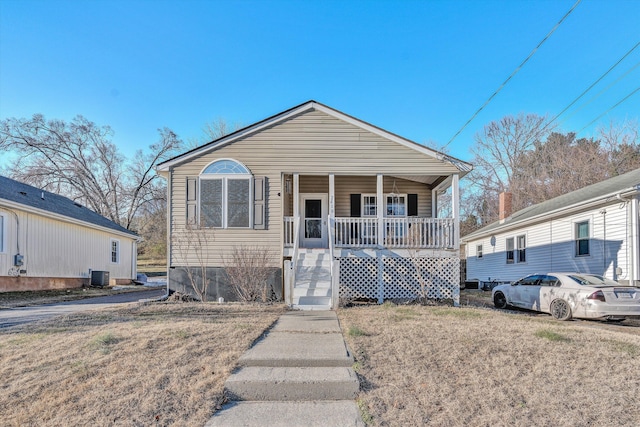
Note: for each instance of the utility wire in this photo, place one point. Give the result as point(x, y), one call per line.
point(594, 83)
point(601, 115)
point(514, 73)
point(596, 96)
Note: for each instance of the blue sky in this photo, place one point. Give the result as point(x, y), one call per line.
point(416, 68)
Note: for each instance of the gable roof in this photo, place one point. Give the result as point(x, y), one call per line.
point(462, 166)
point(621, 185)
point(18, 193)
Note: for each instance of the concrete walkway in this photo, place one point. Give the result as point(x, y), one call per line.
point(299, 374)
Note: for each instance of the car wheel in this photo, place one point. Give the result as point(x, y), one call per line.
point(499, 300)
point(560, 310)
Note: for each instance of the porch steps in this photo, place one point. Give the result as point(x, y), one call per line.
point(312, 290)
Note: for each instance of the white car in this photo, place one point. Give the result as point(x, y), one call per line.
point(567, 295)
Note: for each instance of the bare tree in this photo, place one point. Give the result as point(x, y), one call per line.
point(248, 271)
point(77, 159)
point(498, 151)
point(192, 250)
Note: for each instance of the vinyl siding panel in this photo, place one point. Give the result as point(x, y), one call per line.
point(53, 248)
point(313, 144)
point(551, 247)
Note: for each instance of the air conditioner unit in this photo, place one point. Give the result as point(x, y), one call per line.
point(100, 278)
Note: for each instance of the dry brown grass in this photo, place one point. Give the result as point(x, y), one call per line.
point(159, 364)
point(478, 367)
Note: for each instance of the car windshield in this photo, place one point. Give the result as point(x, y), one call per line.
point(593, 280)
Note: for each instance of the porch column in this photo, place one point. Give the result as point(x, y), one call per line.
point(332, 196)
point(455, 210)
point(296, 196)
point(634, 239)
point(380, 208)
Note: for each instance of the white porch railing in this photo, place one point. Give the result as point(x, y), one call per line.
point(289, 231)
point(412, 232)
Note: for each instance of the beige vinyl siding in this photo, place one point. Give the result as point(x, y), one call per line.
point(53, 248)
point(312, 143)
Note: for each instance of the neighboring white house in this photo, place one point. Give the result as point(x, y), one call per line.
point(50, 242)
point(348, 209)
point(591, 230)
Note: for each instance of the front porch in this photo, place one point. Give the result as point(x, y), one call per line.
point(399, 241)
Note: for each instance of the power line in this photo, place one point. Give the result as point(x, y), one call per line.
point(601, 115)
point(514, 73)
point(596, 96)
point(595, 83)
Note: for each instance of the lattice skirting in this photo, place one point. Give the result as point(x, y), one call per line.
point(388, 277)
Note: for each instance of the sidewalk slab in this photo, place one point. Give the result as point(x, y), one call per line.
point(336, 413)
point(280, 384)
point(280, 349)
point(308, 321)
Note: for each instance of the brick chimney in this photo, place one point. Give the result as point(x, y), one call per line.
point(504, 205)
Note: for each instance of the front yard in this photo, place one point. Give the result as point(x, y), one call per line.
point(165, 364)
point(481, 367)
point(158, 364)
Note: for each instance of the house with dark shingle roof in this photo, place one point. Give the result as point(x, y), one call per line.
point(48, 241)
point(592, 230)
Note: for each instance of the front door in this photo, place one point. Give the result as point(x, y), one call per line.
point(313, 229)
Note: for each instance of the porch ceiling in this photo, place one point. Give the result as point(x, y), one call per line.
point(431, 180)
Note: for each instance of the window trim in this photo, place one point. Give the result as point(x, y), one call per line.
point(204, 176)
point(479, 251)
point(117, 252)
point(577, 239)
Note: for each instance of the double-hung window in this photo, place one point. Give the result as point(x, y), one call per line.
point(115, 251)
point(225, 195)
point(510, 250)
point(2, 233)
point(522, 248)
point(582, 238)
point(479, 251)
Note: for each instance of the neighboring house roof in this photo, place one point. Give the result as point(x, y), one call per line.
point(623, 185)
point(462, 166)
point(15, 192)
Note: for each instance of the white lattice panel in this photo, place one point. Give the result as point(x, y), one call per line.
point(433, 278)
point(358, 277)
point(403, 278)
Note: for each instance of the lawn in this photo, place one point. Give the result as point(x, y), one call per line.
point(27, 298)
point(160, 364)
point(481, 367)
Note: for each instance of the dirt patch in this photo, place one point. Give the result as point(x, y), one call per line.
point(484, 367)
point(160, 364)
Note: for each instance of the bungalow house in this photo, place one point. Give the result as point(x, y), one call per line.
point(50, 242)
point(348, 210)
point(592, 230)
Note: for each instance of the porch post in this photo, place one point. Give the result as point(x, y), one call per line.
point(380, 208)
point(296, 196)
point(455, 210)
point(332, 198)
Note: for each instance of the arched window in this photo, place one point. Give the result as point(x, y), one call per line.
point(225, 195)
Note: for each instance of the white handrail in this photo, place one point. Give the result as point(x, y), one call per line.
point(294, 257)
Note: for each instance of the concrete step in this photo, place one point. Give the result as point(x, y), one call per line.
point(336, 413)
point(314, 300)
point(286, 383)
point(283, 349)
point(308, 307)
point(305, 291)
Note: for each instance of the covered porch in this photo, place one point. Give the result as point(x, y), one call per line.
point(336, 212)
point(369, 237)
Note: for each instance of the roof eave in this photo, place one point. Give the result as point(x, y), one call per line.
point(559, 212)
point(19, 206)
